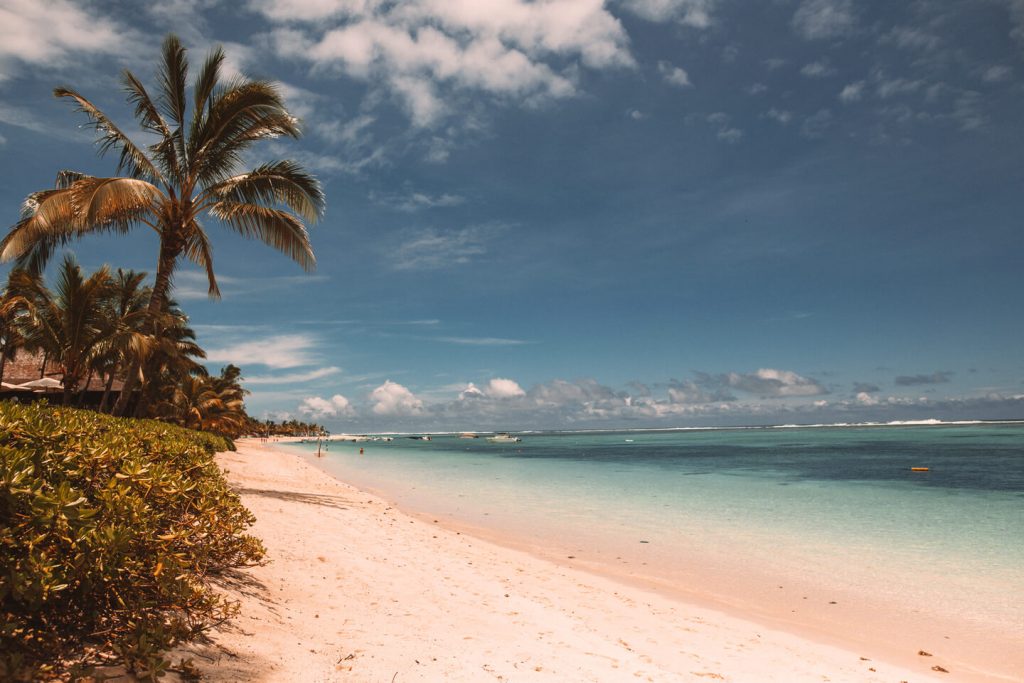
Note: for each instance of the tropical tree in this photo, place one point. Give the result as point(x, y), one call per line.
point(172, 357)
point(67, 323)
point(127, 334)
point(191, 170)
point(213, 404)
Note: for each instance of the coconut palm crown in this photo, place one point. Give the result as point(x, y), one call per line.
point(191, 170)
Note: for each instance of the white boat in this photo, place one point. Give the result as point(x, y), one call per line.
point(504, 438)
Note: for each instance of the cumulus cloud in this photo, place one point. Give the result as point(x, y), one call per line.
point(504, 388)
point(823, 19)
point(771, 383)
point(335, 406)
point(55, 33)
point(393, 399)
point(423, 51)
point(940, 377)
point(674, 75)
point(692, 392)
point(865, 388)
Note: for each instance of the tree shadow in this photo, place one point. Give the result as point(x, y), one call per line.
point(298, 497)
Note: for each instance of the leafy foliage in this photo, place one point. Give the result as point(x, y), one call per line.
point(110, 533)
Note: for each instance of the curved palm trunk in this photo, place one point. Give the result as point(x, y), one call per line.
point(157, 302)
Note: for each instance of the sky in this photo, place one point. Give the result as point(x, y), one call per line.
point(580, 214)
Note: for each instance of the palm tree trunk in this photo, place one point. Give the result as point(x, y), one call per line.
point(85, 389)
point(157, 301)
point(106, 392)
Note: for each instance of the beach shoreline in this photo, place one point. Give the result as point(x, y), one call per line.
point(356, 590)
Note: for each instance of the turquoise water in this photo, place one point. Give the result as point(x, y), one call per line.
point(833, 511)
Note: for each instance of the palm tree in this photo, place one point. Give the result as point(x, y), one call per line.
point(126, 338)
point(190, 171)
point(169, 359)
point(66, 323)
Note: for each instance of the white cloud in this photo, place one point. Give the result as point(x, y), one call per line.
point(480, 341)
point(815, 125)
point(818, 69)
point(674, 75)
point(394, 399)
point(695, 13)
point(822, 19)
point(757, 88)
point(192, 285)
point(504, 388)
point(997, 74)
point(866, 399)
point(335, 406)
point(853, 92)
point(293, 378)
point(417, 201)
point(898, 86)
point(278, 351)
point(768, 382)
point(779, 115)
point(423, 51)
point(55, 33)
point(433, 249)
point(911, 38)
point(471, 392)
point(730, 135)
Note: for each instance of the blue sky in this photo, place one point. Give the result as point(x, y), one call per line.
point(582, 214)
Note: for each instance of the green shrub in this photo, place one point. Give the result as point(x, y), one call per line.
point(110, 531)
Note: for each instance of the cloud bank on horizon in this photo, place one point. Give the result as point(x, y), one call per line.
point(708, 212)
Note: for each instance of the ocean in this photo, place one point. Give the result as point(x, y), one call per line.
point(826, 530)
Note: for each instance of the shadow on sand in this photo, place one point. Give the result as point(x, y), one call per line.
point(298, 497)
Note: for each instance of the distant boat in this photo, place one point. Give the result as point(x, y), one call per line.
point(420, 438)
point(504, 438)
point(468, 435)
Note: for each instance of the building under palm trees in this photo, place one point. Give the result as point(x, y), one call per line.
point(28, 366)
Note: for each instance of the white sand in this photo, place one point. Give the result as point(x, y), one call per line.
point(355, 590)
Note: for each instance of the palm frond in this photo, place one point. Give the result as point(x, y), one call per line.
point(275, 228)
point(148, 115)
point(280, 182)
point(246, 111)
point(172, 80)
point(207, 81)
point(49, 219)
point(113, 203)
point(132, 160)
point(199, 251)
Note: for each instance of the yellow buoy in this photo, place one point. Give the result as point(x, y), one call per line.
point(918, 469)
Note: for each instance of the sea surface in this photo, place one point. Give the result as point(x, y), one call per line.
point(823, 527)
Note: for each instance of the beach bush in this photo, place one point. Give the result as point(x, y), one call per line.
point(111, 531)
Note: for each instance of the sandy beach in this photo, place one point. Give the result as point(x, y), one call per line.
point(356, 590)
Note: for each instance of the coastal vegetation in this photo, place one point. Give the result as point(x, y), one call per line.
point(190, 171)
point(113, 531)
